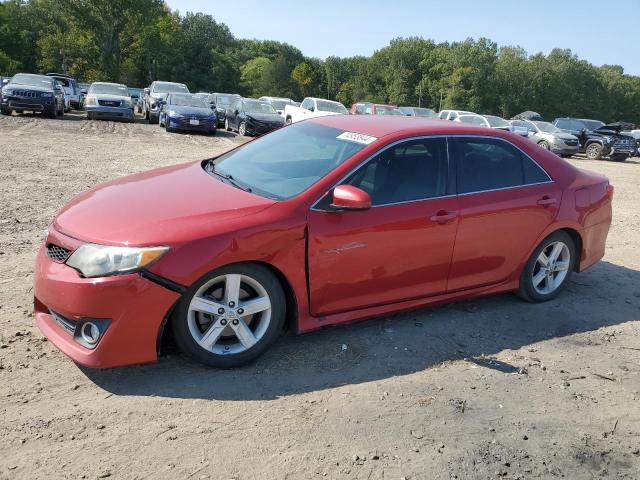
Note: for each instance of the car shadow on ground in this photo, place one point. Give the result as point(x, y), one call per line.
point(395, 345)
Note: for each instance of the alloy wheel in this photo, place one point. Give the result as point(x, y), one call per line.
point(242, 129)
point(593, 151)
point(229, 314)
point(551, 268)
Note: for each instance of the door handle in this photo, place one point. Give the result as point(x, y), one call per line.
point(443, 217)
point(546, 201)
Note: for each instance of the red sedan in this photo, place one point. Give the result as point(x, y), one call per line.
point(323, 222)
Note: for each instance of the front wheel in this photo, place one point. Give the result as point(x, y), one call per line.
point(594, 151)
point(230, 316)
point(242, 129)
point(548, 269)
point(544, 144)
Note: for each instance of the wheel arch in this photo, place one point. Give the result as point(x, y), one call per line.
point(291, 318)
point(577, 242)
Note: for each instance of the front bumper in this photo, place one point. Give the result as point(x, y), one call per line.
point(564, 149)
point(184, 123)
point(25, 103)
point(110, 112)
point(254, 128)
point(133, 307)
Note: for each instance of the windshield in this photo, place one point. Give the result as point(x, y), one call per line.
point(288, 161)
point(258, 107)
point(135, 92)
point(226, 99)
point(547, 127)
point(279, 104)
point(497, 122)
point(593, 124)
point(387, 110)
point(424, 112)
point(334, 107)
point(169, 88)
point(109, 89)
point(188, 101)
point(32, 80)
point(472, 120)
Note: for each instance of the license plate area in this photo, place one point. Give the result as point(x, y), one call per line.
point(194, 122)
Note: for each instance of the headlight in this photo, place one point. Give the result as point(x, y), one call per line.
point(173, 113)
point(47, 94)
point(7, 91)
point(100, 261)
point(91, 101)
point(607, 139)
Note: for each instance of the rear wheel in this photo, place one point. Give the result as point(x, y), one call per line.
point(230, 316)
point(548, 269)
point(594, 151)
point(242, 129)
point(544, 144)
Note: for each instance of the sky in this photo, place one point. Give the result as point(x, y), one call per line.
point(602, 32)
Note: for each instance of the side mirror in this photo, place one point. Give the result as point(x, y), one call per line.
point(146, 91)
point(312, 108)
point(348, 197)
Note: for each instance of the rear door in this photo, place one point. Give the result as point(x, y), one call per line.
point(399, 249)
point(506, 201)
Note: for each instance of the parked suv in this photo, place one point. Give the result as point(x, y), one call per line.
point(598, 140)
point(72, 92)
point(222, 101)
point(35, 93)
point(157, 91)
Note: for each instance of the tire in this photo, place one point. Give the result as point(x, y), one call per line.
point(191, 326)
point(212, 131)
point(90, 116)
point(5, 111)
point(61, 112)
point(226, 125)
point(544, 144)
point(535, 286)
point(593, 151)
point(53, 112)
point(288, 121)
point(242, 129)
point(618, 158)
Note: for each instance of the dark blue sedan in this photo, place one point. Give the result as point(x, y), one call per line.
point(186, 111)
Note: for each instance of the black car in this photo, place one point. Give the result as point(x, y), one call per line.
point(252, 117)
point(597, 139)
point(34, 93)
point(222, 101)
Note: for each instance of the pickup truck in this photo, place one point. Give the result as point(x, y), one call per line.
point(312, 107)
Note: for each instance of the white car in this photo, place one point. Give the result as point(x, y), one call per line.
point(452, 114)
point(313, 107)
point(73, 96)
point(491, 121)
point(278, 103)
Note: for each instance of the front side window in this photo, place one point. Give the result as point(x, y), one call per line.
point(412, 170)
point(307, 104)
point(488, 164)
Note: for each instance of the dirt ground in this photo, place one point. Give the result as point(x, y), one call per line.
point(489, 388)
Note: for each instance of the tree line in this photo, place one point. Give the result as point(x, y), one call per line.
point(137, 41)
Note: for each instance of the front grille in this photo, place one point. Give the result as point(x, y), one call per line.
point(57, 254)
point(27, 94)
point(625, 145)
point(109, 103)
point(68, 325)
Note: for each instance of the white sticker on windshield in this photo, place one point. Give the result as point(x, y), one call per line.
point(357, 137)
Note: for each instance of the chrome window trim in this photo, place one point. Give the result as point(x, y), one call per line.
point(423, 137)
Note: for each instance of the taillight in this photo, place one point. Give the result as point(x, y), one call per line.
point(610, 190)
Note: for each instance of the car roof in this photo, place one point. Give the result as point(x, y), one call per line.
point(380, 126)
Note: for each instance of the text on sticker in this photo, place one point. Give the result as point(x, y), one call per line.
point(357, 137)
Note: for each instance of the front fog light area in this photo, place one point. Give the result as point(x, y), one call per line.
point(90, 331)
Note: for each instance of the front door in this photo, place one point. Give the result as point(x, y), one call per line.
point(398, 250)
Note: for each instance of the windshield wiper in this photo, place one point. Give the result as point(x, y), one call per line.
point(229, 178)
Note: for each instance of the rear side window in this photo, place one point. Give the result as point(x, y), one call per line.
point(410, 171)
point(489, 164)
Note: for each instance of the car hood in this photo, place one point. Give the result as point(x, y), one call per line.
point(616, 127)
point(199, 111)
point(18, 86)
point(564, 136)
point(266, 117)
point(158, 207)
